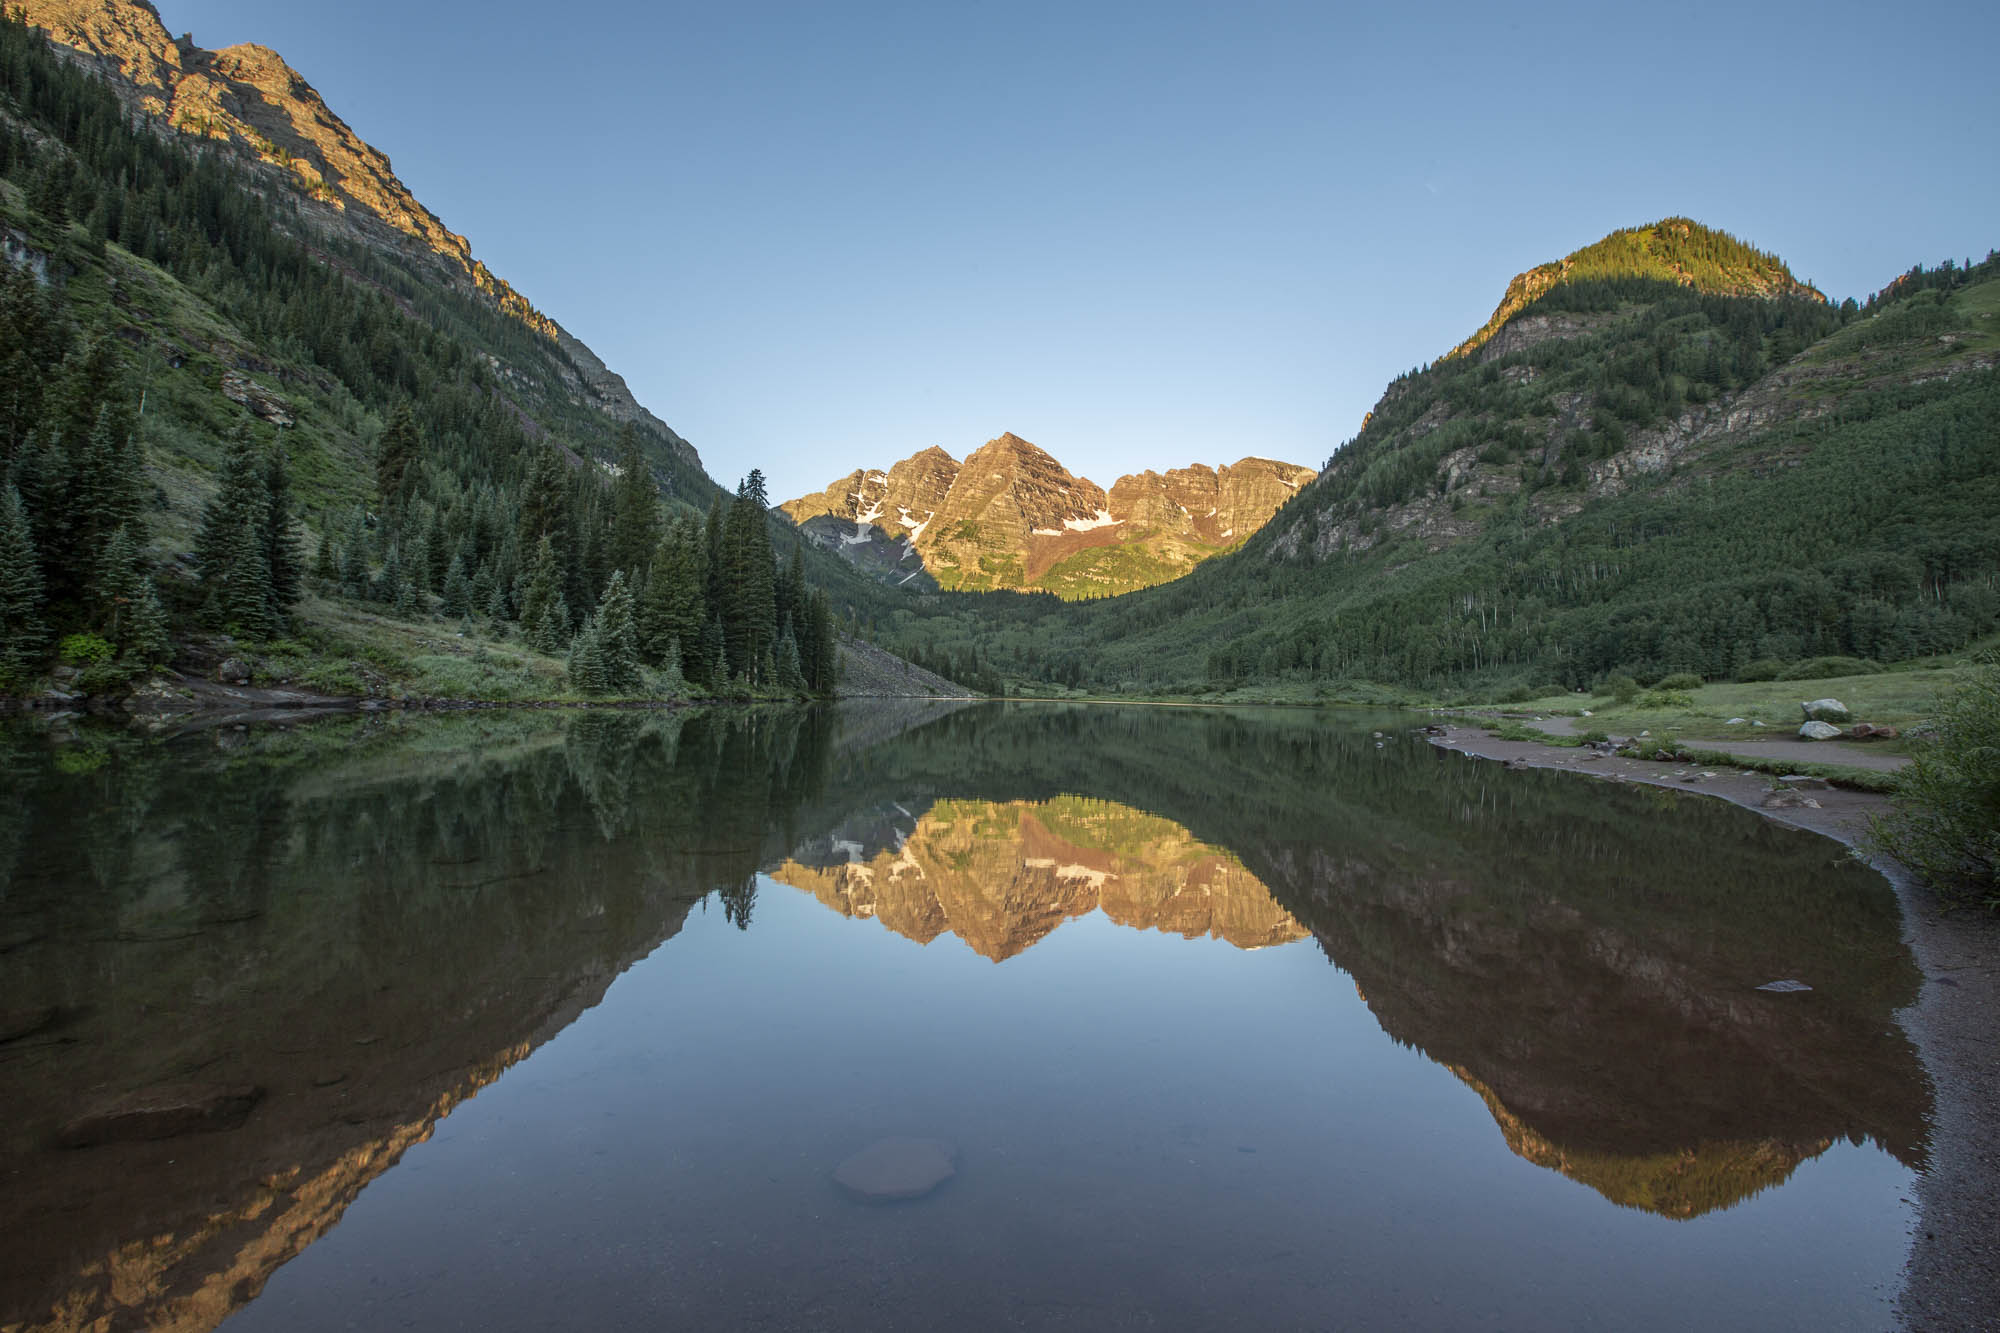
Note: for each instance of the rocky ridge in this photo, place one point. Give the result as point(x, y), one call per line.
point(1012, 516)
point(246, 100)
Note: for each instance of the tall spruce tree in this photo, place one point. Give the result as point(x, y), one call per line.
point(230, 548)
point(281, 544)
point(748, 601)
point(672, 609)
point(23, 633)
point(635, 509)
point(396, 455)
point(617, 635)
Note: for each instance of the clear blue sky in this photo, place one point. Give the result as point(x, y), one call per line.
point(820, 236)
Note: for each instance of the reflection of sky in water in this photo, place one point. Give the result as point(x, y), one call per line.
point(1154, 1132)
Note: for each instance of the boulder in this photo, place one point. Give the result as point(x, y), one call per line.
point(895, 1169)
point(1826, 710)
point(163, 1112)
point(233, 671)
point(1864, 731)
point(1818, 731)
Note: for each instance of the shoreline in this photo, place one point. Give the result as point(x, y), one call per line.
point(1951, 1275)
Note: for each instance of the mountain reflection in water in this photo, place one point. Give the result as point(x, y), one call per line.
point(370, 920)
point(1001, 875)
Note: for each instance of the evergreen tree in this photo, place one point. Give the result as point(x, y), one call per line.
point(617, 636)
point(281, 544)
point(229, 550)
point(674, 680)
point(354, 573)
point(147, 640)
point(544, 610)
point(790, 675)
point(748, 604)
point(544, 501)
point(589, 672)
point(548, 634)
point(458, 599)
point(395, 455)
point(116, 585)
point(671, 612)
point(635, 508)
point(23, 634)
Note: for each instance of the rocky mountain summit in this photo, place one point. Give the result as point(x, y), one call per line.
point(246, 100)
point(1676, 250)
point(1012, 516)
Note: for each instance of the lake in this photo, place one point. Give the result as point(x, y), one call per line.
point(1223, 1019)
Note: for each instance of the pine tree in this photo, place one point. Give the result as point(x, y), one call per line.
point(551, 632)
point(589, 672)
point(395, 454)
point(281, 545)
point(544, 611)
point(458, 599)
point(354, 571)
point(326, 563)
point(240, 594)
point(147, 640)
point(618, 638)
point(674, 680)
point(23, 635)
point(748, 603)
point(635, 508)
point(230, 548)
point(545, 501)
point(671, 610)
point(789, 674)
point(115, 586)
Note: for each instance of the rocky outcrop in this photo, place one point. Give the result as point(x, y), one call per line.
point(1003, 875)
point(1012, 516)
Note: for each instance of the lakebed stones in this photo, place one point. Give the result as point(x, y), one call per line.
point(1819, 731)
point(163, 1112)
point(895, 1170)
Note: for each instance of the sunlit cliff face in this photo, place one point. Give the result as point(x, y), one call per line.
point(1002, 875)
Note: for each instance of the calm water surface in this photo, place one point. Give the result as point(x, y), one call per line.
point(1235, 1019)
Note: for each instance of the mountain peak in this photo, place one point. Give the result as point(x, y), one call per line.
point(1012, 516)
point(1677, 250)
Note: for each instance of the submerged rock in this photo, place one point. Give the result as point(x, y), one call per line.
point(1785, 987)
point(895, 1169)
point(162, 1112)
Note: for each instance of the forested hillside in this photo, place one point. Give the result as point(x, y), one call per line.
point(1630, 476)
point(215, 410)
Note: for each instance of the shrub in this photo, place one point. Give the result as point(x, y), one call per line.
point(1594, 737)
point(1622, 688)
point(108, 677)
point(1823, 668)
point(1520, 694)
point(1680, 680)
point(86, 650)
point(1764, 668)
point(1945, 820)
